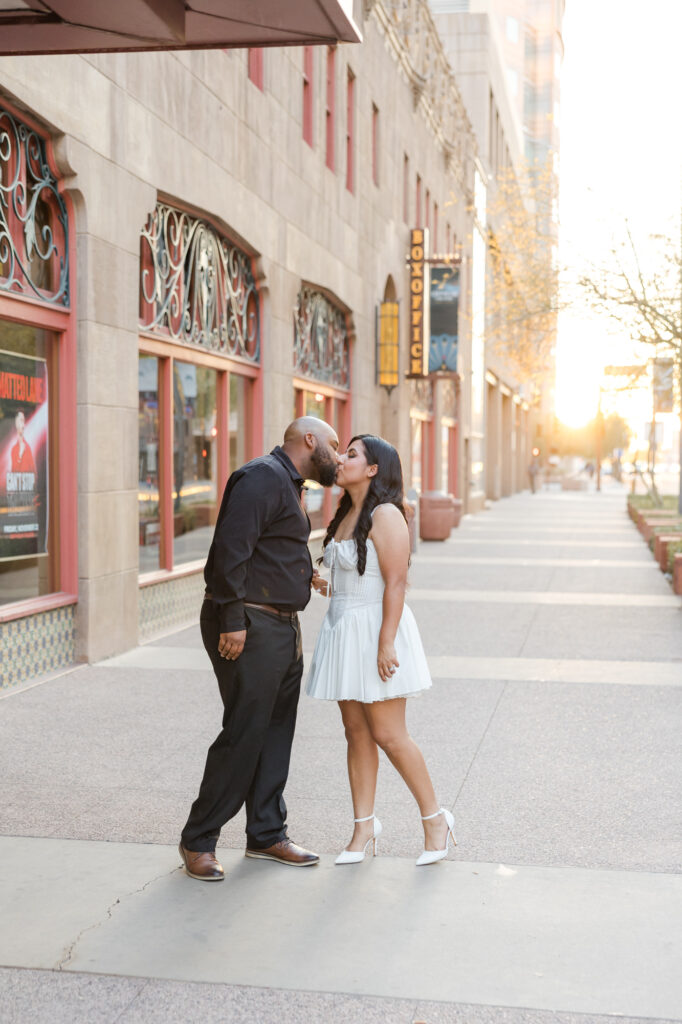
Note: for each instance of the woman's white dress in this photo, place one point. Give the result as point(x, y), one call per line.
point(344, 665)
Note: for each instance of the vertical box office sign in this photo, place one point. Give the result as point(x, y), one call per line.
point(420, 290)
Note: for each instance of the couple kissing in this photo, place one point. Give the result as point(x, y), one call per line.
point(368, 656)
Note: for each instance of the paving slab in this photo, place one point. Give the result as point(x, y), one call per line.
point(556, 939)
point(581, 775)
point(517, 597)
point(51, 997)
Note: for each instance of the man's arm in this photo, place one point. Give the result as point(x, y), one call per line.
point(252, 503)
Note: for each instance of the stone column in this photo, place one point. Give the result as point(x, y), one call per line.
point(111, 206)
point(494, 441)
point(508, 446)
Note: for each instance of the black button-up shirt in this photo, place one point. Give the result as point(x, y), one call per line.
point(260, 550)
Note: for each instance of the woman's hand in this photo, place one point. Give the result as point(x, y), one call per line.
point(387, 661)
point(319, 584)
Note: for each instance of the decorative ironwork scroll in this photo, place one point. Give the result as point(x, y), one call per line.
point(321, 347)
point(196, 286)
point(34, 224)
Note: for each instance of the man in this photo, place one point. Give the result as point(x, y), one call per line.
point(258, 576)
point(21, 455)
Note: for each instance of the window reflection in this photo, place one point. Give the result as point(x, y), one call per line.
point(239, 399)
point(195, 459)
point(28, 487)
point(313, 493)
point(148, 458)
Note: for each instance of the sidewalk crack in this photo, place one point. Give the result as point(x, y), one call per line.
point(70, 950)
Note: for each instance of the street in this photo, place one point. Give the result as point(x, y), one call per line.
point(552, 731)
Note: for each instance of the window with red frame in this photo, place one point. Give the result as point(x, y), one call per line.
point(406, 188)
point(308, 94)
point(330, 109)
point(256, 67)
point(435, 227)
point(427, 210)
point(418, 204)
point(350, 129)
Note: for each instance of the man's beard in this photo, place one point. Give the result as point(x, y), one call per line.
point(325, 466)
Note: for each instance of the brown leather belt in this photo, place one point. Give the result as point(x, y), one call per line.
point(270, 608)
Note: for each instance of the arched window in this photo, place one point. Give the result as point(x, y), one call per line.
point(199, 383)
point(322, 380)
point(38, 520)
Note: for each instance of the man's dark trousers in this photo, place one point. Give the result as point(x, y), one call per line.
point(249, 760)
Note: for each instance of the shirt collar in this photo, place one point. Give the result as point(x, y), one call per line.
point(280, 454)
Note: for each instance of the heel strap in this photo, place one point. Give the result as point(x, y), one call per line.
point(429, 816)
point(368, 818)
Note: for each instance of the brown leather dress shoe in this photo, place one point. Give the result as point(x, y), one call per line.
point(203, 866)
point(286, 852)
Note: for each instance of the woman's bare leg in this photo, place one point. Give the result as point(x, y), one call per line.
point(386, 720)
point(363, 765)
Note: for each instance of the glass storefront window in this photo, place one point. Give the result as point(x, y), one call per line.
point(445, 458)
point(240, 390)
point(148, 489)
point(28, 489)
point(313, 494)
point(195, 460)
point(416, 428)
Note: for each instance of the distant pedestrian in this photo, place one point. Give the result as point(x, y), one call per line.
point(258, 576)
point(369, 656)
point(534, 469)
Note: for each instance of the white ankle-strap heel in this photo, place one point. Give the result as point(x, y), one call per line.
point(431, 856)
point(355, 856)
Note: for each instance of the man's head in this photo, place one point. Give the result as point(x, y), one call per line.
point(312, 444)
point(20, 422)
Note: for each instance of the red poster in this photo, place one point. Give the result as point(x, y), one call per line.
point(23, 456)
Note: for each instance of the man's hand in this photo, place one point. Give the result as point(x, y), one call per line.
point(231, 645)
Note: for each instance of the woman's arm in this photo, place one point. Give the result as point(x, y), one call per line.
point(392, 543)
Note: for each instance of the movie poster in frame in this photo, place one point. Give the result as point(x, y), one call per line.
point(23, 456)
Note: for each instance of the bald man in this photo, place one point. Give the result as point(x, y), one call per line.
point(258, 576)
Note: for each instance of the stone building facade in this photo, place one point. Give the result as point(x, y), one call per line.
point(233, 222)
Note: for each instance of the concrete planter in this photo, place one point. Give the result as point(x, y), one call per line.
point(661, 542)
point(435, 515)
point(659, 517)
point(677, 574)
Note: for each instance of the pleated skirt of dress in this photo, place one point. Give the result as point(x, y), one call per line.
point(344, 665)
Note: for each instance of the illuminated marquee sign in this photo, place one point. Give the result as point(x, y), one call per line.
point(420, 291)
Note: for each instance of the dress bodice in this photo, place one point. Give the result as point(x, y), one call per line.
point(347, 585)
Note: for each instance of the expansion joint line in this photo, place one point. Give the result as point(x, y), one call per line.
point(480, 744)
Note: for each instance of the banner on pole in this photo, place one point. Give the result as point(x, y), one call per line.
point(663, 385)
point(23, 456)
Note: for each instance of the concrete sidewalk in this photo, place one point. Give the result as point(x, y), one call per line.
point(552, 731)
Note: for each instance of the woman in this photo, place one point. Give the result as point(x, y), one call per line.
point(369, 655)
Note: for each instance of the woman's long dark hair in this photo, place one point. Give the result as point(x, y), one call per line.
point(386, 487)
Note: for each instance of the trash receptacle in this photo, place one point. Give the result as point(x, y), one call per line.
point(435, 515)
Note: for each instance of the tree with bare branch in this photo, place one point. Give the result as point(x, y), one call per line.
point(646, 303)
point(522, 302)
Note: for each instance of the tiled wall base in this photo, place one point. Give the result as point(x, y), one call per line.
point(165, 605)
point(36, 644)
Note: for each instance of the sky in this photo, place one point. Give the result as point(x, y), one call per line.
point(621, 157)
